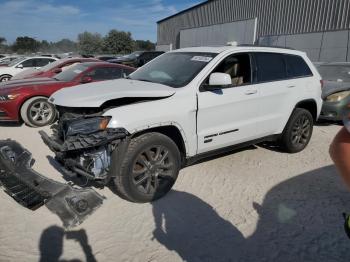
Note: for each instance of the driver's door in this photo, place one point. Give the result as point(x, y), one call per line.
point(228, 116)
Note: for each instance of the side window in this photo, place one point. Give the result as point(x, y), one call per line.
point(296, 66)
point(270, 66)
point(238, 67)
point(40, 62)
point(29, 63)
point(105, 73)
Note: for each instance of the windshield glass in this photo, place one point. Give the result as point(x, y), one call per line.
point(173, 69)
point(339, 73)
point(17, 60)
point(71, 73)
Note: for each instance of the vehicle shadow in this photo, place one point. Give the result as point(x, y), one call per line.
point(299, 220)
point(328, 123)
point(10, 124)
point(52, 240)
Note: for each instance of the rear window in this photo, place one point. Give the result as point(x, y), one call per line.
point(296, 66)
point(271, 67)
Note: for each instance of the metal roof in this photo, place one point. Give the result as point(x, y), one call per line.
point(184, 11)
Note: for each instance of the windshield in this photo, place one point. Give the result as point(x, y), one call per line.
point(133, 55)
point(173, 69)
point(71, 73)
point(17, 60)
point(339, 73)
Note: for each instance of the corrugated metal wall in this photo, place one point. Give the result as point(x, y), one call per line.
point(275, 17)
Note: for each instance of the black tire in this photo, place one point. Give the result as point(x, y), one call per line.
point(38, 112)
point(5, 78)
point(137, 181)
point(298, 131)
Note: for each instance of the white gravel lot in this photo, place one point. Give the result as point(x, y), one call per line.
point(252, 205)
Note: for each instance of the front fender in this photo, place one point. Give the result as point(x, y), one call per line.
point(147, 115)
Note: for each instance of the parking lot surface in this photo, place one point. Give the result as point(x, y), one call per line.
point(256, 204)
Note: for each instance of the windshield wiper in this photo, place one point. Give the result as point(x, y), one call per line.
point(144, 80)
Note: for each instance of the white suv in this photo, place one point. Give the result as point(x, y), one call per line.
point(183, 106)
point(19, 65)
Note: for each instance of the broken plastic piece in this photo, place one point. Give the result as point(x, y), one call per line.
point(32, 190)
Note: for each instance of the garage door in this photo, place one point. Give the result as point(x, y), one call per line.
point(243, 32)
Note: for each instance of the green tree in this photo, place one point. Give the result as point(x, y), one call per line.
point(25, 44)
point(45, 46)
point(118, 42)
point(144, 45)
point(66, 45)
point(2, 40)
point(89, 43)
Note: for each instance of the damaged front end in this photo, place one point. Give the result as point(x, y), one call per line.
point(32, 190)
point(83, 145)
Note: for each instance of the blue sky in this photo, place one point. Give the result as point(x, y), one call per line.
point(53, 20)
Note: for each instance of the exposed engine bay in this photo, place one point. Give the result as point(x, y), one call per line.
point(83, 145)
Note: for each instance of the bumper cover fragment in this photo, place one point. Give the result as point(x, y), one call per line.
point(32, 190)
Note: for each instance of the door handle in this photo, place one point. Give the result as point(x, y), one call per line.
point(251, 92)
point(291, 86)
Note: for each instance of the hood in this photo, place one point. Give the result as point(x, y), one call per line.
point(25, 82)
point(96, 94)
point(14, 85)
point(331, 87)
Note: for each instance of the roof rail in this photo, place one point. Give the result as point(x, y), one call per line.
point(251, 45)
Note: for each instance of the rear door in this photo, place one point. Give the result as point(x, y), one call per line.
point(277, 92)
point(228, 116)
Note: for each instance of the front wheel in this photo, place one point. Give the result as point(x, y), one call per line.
point(298, 131)
point(149, 168)
point(38, 112)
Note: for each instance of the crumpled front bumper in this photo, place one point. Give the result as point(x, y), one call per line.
point(32, 190)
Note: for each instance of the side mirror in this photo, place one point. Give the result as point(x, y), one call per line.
point(20, 66)
point(86, 79)
point(57, 70)
point(218, 81)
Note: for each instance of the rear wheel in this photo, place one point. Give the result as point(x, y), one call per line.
point(298, 131)
point(38, 112)
point(149, 168)
point(5, 78)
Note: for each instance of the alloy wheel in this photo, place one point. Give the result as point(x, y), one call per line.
point(153, 170)
point(41, 113)
point(301, 131)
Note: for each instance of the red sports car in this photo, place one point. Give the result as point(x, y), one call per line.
point(26, 100)
point(53, 68)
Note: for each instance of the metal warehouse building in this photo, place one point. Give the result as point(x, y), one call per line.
point(318, 27)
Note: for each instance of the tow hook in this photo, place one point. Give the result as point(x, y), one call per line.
point(33, 190)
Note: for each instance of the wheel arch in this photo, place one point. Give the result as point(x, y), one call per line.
point(24, 101)
point(309, 105)
point(6, 75)
point(173, 132)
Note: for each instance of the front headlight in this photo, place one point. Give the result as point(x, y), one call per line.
point(337, 96)
point(87, 126)
point(8, 97)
